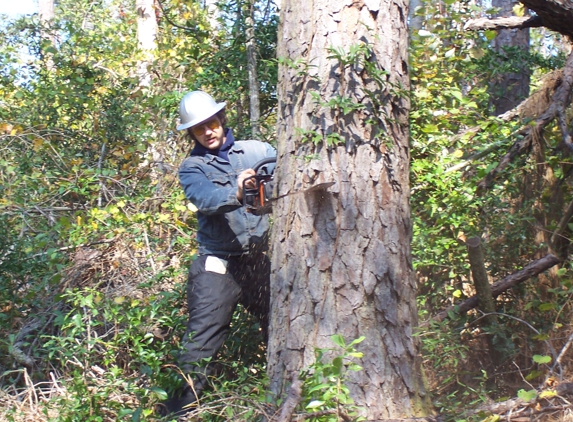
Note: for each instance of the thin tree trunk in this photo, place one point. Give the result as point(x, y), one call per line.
point(416, 20)
point(212, 13)
point(47, 15)
point(480, 279)
point(510, 88)
point(255, 109)
point(342, 259)
point(146, 38)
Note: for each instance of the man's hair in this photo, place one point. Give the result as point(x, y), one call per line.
point(221, 115)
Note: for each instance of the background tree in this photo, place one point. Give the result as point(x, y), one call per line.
point(510, 87)
point(146, 37)
point(341, 259)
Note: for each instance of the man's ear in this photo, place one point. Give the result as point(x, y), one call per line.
point(190, 133)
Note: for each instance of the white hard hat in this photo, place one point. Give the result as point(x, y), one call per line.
point(195, 107)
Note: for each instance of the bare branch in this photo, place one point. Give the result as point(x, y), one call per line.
point(559, 102)
point(503, 23)
point(531, 270)
point(291, 402)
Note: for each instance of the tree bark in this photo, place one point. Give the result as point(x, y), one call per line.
point(508, 89)
point(416, 21)
point(146, 38)
point(47, 15)
point(556, 15)
point(342, 259)
point(480, 279)
point(254, 103)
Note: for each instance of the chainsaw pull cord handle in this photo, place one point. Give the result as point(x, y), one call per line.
point(258, 165)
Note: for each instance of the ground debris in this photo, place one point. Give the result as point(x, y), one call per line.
point(549, 403)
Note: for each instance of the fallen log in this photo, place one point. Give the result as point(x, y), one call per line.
point(531, 270)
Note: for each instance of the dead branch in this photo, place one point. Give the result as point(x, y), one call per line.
point(556, 15)
point(559, 102)
point(562, 223)
point(530, 108)
point(291, 402)
point(542, 403)
point(531, 270)
point(503, 23)
point(480, 278)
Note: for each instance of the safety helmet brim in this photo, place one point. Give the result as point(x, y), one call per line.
point(203, 116)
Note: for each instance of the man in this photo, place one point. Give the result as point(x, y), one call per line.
point(231, 266)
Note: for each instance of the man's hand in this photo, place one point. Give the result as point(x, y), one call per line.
point(241, 178)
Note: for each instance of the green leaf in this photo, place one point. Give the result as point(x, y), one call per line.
point(541, 359)
point(357, 341)
point(338, 340)
point(314, 404)
point(533, 374)
point(337, 364)
point(124, 412)
point(161, 394)
point(527, 395)
point(490, 35)
point(544, 307)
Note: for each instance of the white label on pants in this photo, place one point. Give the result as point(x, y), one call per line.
point(216, 265)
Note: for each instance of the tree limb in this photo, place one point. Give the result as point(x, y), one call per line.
point(291, 402)
point(559, 101)
point(562, 223)
point(503, 23)
point(556, 15)
point(518, 406)
point(531, 270)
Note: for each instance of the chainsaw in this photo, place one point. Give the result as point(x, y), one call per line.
point(259, 199)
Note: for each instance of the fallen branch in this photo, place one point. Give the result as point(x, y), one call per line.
point(531, 270)
point(518, 407)
point(530, 108)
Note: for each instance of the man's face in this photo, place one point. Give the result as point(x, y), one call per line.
point(209, 133)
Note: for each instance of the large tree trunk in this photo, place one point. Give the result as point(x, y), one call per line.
point(341, 259)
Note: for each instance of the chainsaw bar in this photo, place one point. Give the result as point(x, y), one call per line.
point(315, 188)
point(258, 199)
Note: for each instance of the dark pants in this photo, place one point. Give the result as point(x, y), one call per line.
point(212, 299)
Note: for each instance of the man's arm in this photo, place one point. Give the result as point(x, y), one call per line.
point(209, 197)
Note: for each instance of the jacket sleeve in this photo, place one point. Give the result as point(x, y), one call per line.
point(209, 196)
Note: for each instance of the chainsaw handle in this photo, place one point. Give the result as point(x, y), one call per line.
point(259, 164)
point(255, 197)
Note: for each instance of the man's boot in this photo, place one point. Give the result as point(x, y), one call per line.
point(183, 400)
